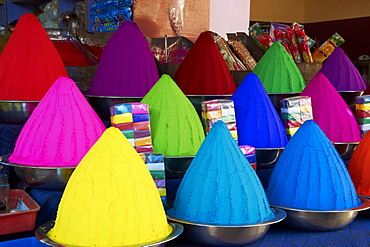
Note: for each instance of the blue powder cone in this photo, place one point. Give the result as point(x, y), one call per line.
point(258, 124)
point(311, 175)
point(220, 186)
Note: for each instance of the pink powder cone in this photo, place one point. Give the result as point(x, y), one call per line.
point(330, 111)
point(127, 67)
point(342, 73)
point(60, 130)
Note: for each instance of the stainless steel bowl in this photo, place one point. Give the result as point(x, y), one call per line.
point(316, 220)
point(42, 231)
point(346, 149)
point(47, 178)
point(277, 97)
point(82, 75)
point(102, 104)
point(176, 166)
point(196, 100)
point(16, 112)
point(367, 211)
point(267, 156)
point(227, 235)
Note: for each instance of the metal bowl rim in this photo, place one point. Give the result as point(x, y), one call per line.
point(41, 234)
point(365, 205)
point(179, 157)
point(36, 167)
point(346, 143)
point(268, 149)
point(279, 216)
point(208, 95)
point(350, 91)
point(19, 101)
point(112, 97)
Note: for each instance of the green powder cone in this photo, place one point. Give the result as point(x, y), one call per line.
point(175, 125)
point(278, 72)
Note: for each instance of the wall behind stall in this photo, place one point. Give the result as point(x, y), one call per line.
point(350, 19)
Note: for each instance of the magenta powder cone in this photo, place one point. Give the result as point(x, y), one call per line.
point(330, 111)
point(127, 67)
point(342, 73)
point(60, 130)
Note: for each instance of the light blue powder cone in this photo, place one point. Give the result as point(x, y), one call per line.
point(311, 175)
point(220, 186)
point(258, 124)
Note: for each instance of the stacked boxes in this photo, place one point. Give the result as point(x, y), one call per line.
point(219, 109)
point(133, 120)
point(362, 112)
point(155, 164)
point(294, 112)
point(250, 154)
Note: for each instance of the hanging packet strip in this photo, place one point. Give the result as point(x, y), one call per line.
point(362, 112)
point(133, 120)
point(155, 165)
point(294, 112)
point(250, 154)
point(219, 110)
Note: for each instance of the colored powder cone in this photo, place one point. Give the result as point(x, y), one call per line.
point(330, 111)
point(175, 125)
point(204, 71)
point(258, 123)
point(110, 199)
point(127, 67)
point(29, 63)
point(220, 186)
point(278, 72)
point(311, 175)
point(60, 130)
point(359, 166)
point(342, 73)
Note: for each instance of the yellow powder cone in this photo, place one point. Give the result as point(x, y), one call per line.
point(110, 199)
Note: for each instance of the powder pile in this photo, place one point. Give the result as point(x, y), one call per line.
point(110, 199)
point(330, 111)
point(311, 175)
point(175, 125)
point(60, 130)
point(204, 71)
point(258, 123)
point(126, 67)
point(29, 63)
point(342, 73)
point(278, 72)
point(220, 186)
point(359, 166)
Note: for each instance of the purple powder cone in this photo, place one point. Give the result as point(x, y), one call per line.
point(342, 73)
point(258, 123)
point(127, 67)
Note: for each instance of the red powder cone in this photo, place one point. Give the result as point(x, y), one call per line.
point(359, 166)
point(203, 71)
point(29, 63)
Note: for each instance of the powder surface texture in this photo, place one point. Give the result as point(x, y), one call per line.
point(330, 111)
point(110, 199)
point(311, 175)
point(204, 71)
point(60, 130)
point(258, 123)
point(278, 72)
point(175, 125)
point(29, 63)
point(359, 166)
point(127, 67)
point(342, 73)
point(220, 186)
